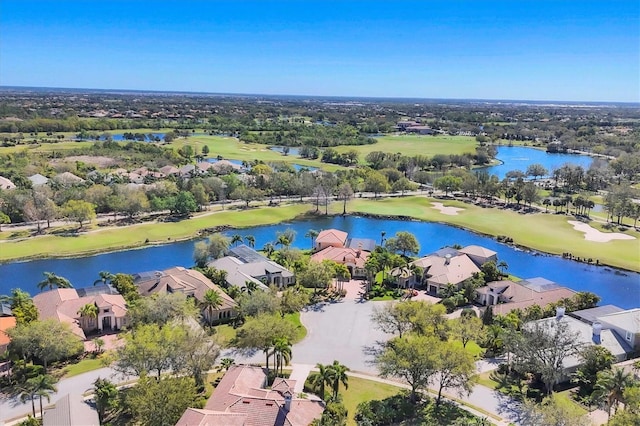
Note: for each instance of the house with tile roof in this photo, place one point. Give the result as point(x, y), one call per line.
point(353, 259)
point(6, 183)
point(68, 179)
point(479, 255)
point(506, 296)
point(330, 238)
point(38, 179)
point(440, 271)
point(626, 324)
point(241, 398)
point(190, 282)
point(71, 410)
point(7, 321)
point(63, 304)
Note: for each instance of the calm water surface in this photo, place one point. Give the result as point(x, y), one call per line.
point(614, 286)
point(519, 158)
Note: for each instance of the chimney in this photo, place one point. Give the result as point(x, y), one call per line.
point(287, 401)
point(559, 312)
point(597, 328)
point(447, 259)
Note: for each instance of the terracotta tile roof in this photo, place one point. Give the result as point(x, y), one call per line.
point(179, 279)
point(5, 324)
point(241, 391)
point(518, 296)
point(197, 417)
point(332, 236)
point(344, 255)
point(63, 304)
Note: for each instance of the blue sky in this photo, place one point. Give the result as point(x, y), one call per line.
point(519, 49)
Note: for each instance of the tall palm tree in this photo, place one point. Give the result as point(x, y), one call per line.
point(90, 310)
point(105, 277)
point(236, 239)
point(282, 353)
point(225, 363)
point(324, 377)
point(41, 385)
point(17, 298)
point(52, 280)
point(250, 287)
point(283, 241)
point(311, 234)
point(269, 249)
point(610, 386)
point(211, 301)
point(338, 375)
point(503, 266)
point(251, 240)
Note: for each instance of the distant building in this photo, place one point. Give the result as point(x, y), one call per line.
point(242, 399)
point(38, 179)
point(6, 183)
point(68, 179)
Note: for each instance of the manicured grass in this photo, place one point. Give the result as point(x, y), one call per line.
point(545, 232)
point(87, 364)
point(416, 145)
point(143, 234)
point(301, 331)
point(472, 347)
point(564, 398)
point(225, 333)
point(485, 379)
point(361, 390)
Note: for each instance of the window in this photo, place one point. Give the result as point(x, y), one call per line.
point(106, 310)
point(629, 336)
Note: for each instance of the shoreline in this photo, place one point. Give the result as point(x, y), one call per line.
point(204, 232)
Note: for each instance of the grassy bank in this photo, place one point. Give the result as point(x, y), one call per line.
point(548, 233)
point(110, 239)
point(416, 145)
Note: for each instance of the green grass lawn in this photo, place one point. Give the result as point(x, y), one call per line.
point(361, 390)
point(416, 145)
point(545, 232)
point(472, 347)
point(85, 365)
point(142, 234)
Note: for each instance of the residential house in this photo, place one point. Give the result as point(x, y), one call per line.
point(68, 179)
point(330, 238)
point(6, 183)
point(626, 324)
point(505, 296)
point(450, 268)
point(479, 255)
point(71, 410)
point(366, 244)
point(190, 282)
point(420, 130)
point(63, 304)
point(38, 179)
point(354, 259)
point(187, 171)
point(596, 334)
point(241, 398)
point(7, 321)
point(169, 170)
point(247, 265)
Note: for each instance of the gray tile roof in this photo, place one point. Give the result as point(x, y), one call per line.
point(246, 254)
point(592, 314)
point(71, 410)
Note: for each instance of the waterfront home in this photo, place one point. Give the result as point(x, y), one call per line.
point(189, 282)
point(353, 259)
point(505, 296)
point(65, 304)
point(242, 398)
point(330, 238)
point(445, 267)
point(6, 183)
point(626, 324)
point(479, 255)
point(247, 265)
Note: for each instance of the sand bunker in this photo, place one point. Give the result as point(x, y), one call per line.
point(592, 234)
point(451, 211)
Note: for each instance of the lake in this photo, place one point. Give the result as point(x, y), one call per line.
point(616, 287)
point(519, 158)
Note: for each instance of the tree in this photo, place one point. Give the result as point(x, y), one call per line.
point(594, 359)
point(536, 170)
point(311, 234)
point(322, 378)
point(4, 219)
point(184, 203)
point(541, 348)
point(317, 275)
point(285, 238)
point(253, 303)
point(395, 317)
point(218, 246)
point(468, 328)
point(125, 286)
point(448, 183)
point(251, 240)
point(404, 242)
point(401, 185)
point(345, 192)
point(236, 239)
point(281, 352)
point(409, 358)
point(610, 386)
point(44, 341)
point(105, 278)
point(79, 211)
point(454, 367)
point(52, 280)
point(376, 182)
point(553, 412)
point(293, 300)
point(41, 386)
point(154, 403)
point(338, 374)
point(105, 396)
point(87, 313)
point(162, 308)
point(260, 332)
point(22, 306)
point(211, 301)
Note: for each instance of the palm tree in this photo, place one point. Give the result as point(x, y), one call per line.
point(250, 287)
point(324, 377)
point(251, 240)
point(282, 352)
point(611, 385)
point(41, 385)
point(503, 266)
point(283, 241)
point(311, 234)
point(225, 363)
point(90, 310)
point(211, 301)
point(18, 297)
point(105, 278)
point(52, 280)
point(338, 375)
point(269, 249)
point(236, 239)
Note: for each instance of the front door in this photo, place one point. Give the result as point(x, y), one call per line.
point(106, 323)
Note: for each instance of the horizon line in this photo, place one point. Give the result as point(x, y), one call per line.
point(389, 98)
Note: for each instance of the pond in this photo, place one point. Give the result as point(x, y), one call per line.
point(519, 158)
point(616, 287)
